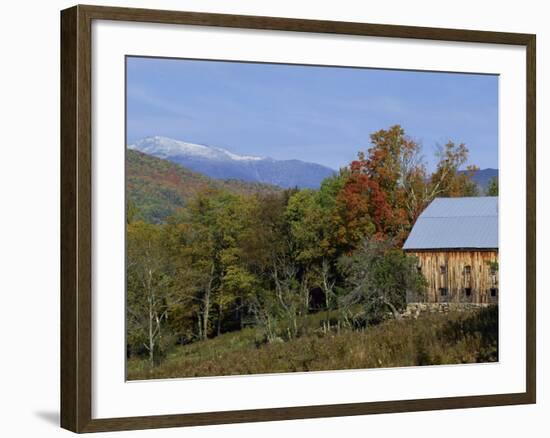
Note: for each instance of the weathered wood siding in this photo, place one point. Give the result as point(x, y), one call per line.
point(447, 271)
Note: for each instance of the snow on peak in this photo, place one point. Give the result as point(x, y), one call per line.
point(239, 157)
point(165, 147)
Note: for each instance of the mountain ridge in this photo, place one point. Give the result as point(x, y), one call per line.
point(220, 163)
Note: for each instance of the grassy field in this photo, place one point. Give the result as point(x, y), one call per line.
point(431, 339)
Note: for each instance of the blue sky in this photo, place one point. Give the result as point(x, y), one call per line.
point(318, 114)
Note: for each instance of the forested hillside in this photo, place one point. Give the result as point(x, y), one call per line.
point(156, 188)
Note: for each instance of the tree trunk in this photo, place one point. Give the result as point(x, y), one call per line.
point(151, 302)
point(241, 313)
point(305, 292)
point(199, 324)
point(220, 314)
point(206, 313)
point(327, 289)
point(151, 347)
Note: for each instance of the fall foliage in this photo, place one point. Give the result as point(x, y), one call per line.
point(208, 257)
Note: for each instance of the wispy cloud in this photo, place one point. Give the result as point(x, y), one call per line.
point(150, 102)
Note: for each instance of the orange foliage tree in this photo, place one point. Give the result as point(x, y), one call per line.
point(389, 187)
point(374, 198)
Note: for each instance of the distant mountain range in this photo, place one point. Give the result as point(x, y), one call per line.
point(483, 177)
point(162, 174)
point(222, 164)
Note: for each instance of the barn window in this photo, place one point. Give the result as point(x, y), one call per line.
point(467, 269)
point(494, 291)
point(468, 291)
point(493, 270)
point(443, 291)
point(443, 269)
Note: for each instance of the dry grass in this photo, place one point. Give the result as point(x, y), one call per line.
point(434, 339)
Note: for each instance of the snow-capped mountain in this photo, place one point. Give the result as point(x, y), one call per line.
point(164, 147)
point(223, 164)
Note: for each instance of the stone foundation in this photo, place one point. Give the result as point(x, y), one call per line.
point(415, 309)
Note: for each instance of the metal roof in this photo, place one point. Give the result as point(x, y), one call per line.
point(465, 223)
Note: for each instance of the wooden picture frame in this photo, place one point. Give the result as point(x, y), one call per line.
point(76, 217)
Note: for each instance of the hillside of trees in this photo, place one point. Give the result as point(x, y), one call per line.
point(230, 258)
point(157, 188)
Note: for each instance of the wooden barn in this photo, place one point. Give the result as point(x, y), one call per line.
point(456, 242)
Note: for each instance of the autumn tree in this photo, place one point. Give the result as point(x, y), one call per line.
point(378, 198)
point(352, 213)
point(396, 163)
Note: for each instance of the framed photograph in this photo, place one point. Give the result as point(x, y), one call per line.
point(269, 218)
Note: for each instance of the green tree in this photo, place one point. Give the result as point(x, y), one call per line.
point(201, 243)
point(281, 263)
point(492, 188)
point(309, 214)
point(148, 294)
point(206, 247)
point(378, 277)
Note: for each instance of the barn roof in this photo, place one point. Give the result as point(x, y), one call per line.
point(465, 223)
